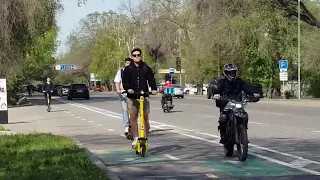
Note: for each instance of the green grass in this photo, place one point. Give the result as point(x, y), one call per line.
point(2, 128)
point(45, 157)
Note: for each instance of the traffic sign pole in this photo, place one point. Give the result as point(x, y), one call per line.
point(283, 67)
point(171, 73)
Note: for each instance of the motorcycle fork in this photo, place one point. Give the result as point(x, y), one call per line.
point(235, 124)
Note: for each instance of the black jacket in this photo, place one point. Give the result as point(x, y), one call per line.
point(138, 78)
point(47, 87)
point(232, 89)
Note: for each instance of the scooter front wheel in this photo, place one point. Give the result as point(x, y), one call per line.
point(143, 150)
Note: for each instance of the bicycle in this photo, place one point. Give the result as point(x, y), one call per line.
point(142, 145)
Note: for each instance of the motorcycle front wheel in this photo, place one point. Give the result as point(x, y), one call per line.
point(229, 145)
point(242, 147)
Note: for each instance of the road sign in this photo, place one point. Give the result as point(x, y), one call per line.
point(63, 67)
point(171, 71)
point(3, 102)
point(283, 65)
point(283, 76)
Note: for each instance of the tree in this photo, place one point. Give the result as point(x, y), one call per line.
point(24, 26)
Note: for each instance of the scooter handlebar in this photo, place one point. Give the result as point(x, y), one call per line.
point(139, 93)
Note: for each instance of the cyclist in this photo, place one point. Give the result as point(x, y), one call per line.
point(47, 88)
point(122, 97)
point(136, 77)
point(167, 95)
point(231, 86)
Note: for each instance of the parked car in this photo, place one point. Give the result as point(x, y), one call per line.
point(97, 88)
point(55, 89)
point(39, 87)
point(78, 91)
point(63, 90)
point(178, 91)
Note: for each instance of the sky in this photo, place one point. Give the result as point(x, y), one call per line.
point(69, 18)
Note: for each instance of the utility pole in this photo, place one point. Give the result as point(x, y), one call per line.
point(179, 31)
point(299, 78)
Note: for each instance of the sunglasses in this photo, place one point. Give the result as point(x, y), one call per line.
point(136, 55)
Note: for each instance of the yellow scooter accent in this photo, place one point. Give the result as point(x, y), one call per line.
point(48, 100)
point(142, 144)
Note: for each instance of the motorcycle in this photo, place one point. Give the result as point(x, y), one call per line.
point(167, 105)
point(236, 126)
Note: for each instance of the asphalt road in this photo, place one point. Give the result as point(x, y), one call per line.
point(184, 144)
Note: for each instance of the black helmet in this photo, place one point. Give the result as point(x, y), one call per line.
point(230, 71)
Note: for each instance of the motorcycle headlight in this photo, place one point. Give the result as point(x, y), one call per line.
point(238, 105)
point(230, 105)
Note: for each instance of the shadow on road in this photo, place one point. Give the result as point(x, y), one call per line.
point(21, 122)
point(39, 100)
point(115, 151)
point(308, 149)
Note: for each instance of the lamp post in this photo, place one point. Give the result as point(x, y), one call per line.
point(299, 78)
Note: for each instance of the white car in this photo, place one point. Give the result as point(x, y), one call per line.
point(178, 91)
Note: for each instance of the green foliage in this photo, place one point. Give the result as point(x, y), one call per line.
point(254, 35)
point(107, 55)
point(28, 32)
point(39, 62)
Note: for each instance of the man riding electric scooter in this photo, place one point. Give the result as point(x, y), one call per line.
point(166, 95)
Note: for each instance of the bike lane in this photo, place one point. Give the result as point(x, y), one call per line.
point(172, 155)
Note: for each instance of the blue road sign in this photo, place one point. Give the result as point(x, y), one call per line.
point(171, 71)
point(66, 67)
point(283, 65)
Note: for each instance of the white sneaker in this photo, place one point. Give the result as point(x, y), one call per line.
point(134, 142)
point(126, 130)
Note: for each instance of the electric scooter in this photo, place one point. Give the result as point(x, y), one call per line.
point(48, 102)
point(142, 144)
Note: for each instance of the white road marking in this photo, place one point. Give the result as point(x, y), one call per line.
point(90, 121)
point(83, 119)
point(110, 130)
point(171, 157)
point(156, 108)
point(184, 104)
point(211, 176)
point(252, 122)
point(161, 125)
point(316, 131)
point(128, 159)
point(209, 116)
point(300, 163)
point(279, 114)
point(77, 117)
point(72, 115)
point(208, 106)
point(113, 114)
point(99, 125)
point(67, 112)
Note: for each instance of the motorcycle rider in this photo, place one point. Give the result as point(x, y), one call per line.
point(47, 88)
point(168, 94)
point(230, 86)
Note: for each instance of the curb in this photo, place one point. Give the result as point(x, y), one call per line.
point(22, 105)
point(95, 160)
point(7, 133)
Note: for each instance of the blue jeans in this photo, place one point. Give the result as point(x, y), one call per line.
point(124, 107)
